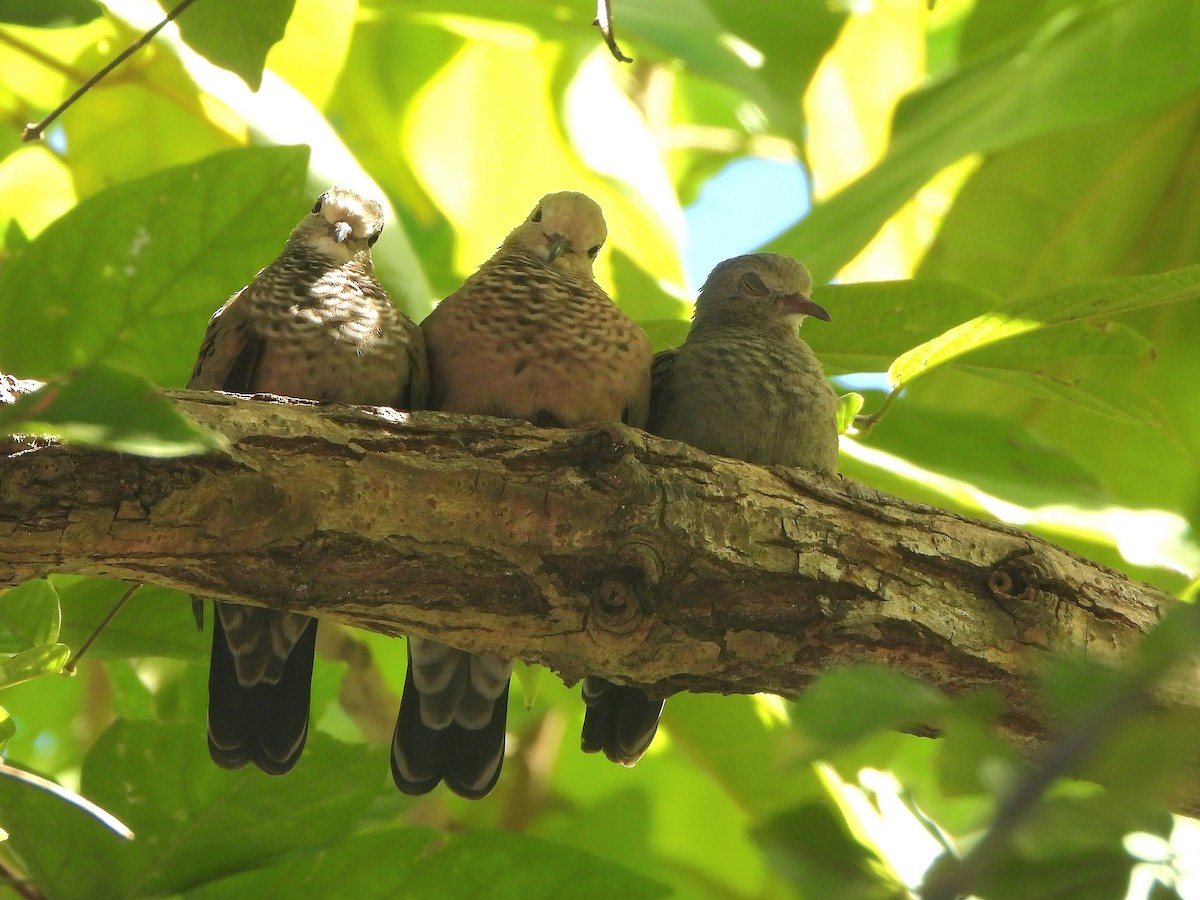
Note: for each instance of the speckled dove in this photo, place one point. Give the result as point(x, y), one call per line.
point(314, 324)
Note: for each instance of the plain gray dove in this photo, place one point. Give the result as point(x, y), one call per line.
point(743, 385)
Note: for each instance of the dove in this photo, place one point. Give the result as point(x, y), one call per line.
point(744, 385)
point(314, 324)
point(530, 336)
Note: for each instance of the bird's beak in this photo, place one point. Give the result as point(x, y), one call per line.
point(805, 306)
point(556, 246)
point(341, 232)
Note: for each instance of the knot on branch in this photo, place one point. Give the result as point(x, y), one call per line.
point(1016, 578)
point(623, 605)
point(609, 457)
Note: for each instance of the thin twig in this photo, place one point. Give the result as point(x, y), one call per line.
point(34, 130)
point(864, 424)
point(69, 667)
point(23, 887)
point(1060, 759)
point(604, 21)
point(42, 57)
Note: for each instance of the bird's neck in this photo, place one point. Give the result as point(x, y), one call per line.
point(334, 257)
point(714, 325)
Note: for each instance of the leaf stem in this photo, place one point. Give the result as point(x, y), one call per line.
point(35, 130)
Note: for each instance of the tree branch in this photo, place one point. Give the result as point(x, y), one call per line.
point(597, 550)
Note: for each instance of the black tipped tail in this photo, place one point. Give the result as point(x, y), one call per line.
point(468, 760)
point(265, 724)
point(620, 721)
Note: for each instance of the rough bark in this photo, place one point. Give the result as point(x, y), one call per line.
point(592, 551)
point(599, 550)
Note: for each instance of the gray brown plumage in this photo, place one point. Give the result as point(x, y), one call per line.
point(743, 384)
point(314, 324)
point(529, 336)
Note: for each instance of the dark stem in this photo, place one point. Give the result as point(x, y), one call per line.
point(1060, 759)
point(604, 21)
point(34, 131)
point(69, 668)
point(20, 885)
point(864, 424)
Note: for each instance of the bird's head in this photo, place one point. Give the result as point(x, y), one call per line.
point(342, 224)
point(758, 289)
point(564, 231)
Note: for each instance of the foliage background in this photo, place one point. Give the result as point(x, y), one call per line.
point(1006, 194)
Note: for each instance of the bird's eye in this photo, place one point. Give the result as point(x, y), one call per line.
point(374, 237)
point(320, 202)
point(753, 284)
point(592, 252)
point(537, 214)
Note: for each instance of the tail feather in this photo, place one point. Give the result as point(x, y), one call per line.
point(265, 723)
point(620, 721)
point(456, 734)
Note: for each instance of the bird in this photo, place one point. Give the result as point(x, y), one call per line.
point(744, 385)
point(530, 336)
point(315, 324)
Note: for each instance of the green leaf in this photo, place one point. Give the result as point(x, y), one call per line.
point(132, 698)
point(42, 710)
point(112, 409)
point(1076, 304)
point(37, 782)
point(767, 51)
point(235, 35)
point(972, 759)
point(49, 13)
point(1076, 205)
point(1160, 891)
point(29, 616)
point(998, 22)
point(1102, 61)
point(128, 270)
point(1080, 818)
point(641, 296)
point(193, 821)
point(737, 743)
point(665, 333)
point(28, 664)
point(1102, 875)
point(7, 728)
point(849, 703)
point(422, 862)
point(997, 455)
point(645, 818)
point(1119, 763)
point(849, 406)
point(811, 848)
point(1072, 686)
point(155, 621)
point(875, 322)
point(14, 237)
